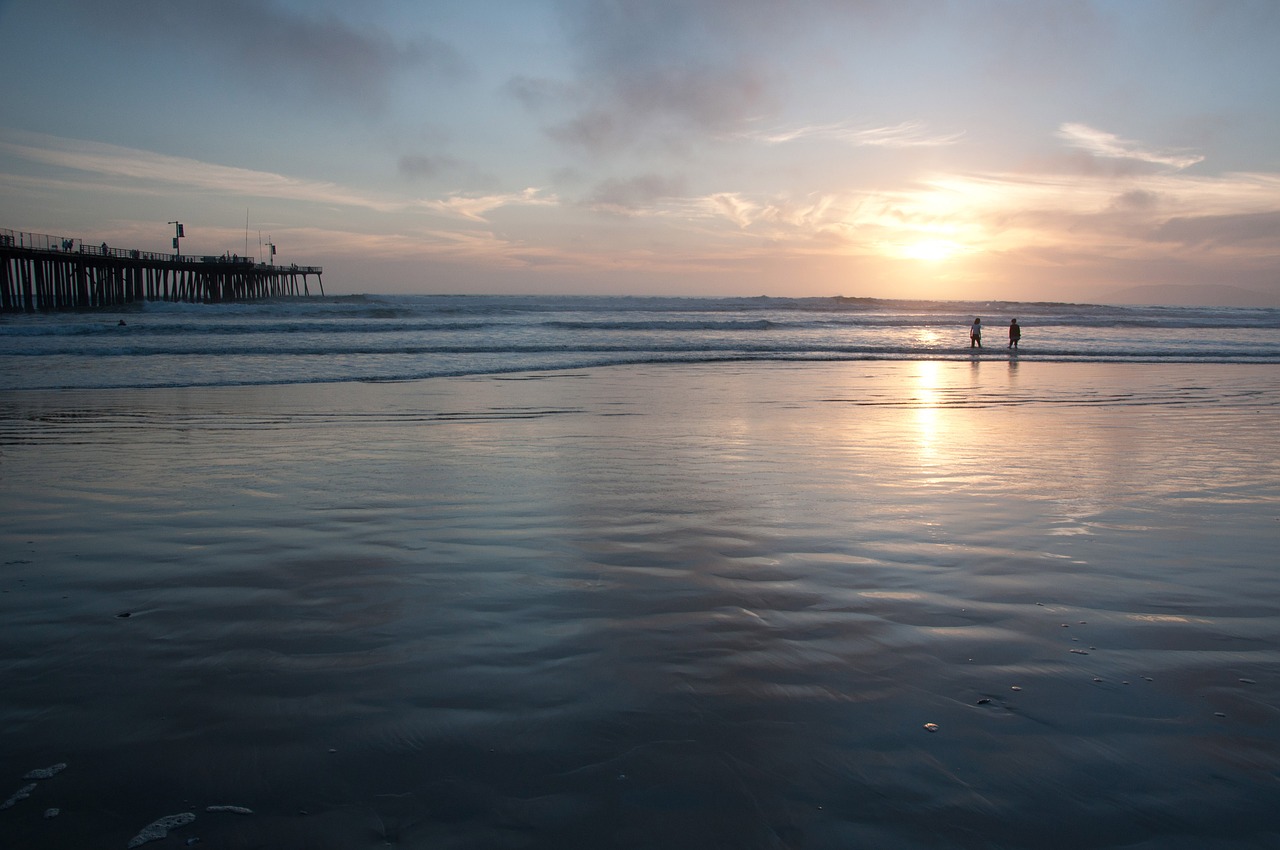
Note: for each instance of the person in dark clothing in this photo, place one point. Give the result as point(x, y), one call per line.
point(1015, 333)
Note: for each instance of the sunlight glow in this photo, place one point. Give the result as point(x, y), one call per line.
point(933, 250)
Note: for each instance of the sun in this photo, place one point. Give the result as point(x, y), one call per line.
point(932, 250)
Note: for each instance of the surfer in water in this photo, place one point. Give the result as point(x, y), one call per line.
point(975, 334)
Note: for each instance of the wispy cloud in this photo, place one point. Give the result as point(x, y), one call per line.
point(1009, 211)
point(1108, 145)
point(907, 134)
point(733, 207)
point(150, 168)
point(476, 207)
point(147, 170)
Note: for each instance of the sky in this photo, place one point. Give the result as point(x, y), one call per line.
point(1043, 150)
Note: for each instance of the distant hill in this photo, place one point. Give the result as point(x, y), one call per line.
point(1205, 295)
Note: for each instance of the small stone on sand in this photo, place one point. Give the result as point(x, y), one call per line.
point(46, 772)
point(160, 828)
point(21, 794)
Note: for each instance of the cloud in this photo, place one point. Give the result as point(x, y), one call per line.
point(538, 93)
point(148, 171)
point(1139, 200)
point(663, 70)
point(907, 134)
point(423, 166)
point(1223, 230)
point(476, 207)
point(275, 45)
point(595, 130)
point(1100, 143)
point(665, 104)
point(999, 213)
point(441, 167)
point(635, 193)
point(149, 168)
point(733, 207)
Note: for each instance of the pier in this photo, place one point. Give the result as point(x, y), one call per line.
point(45, 273)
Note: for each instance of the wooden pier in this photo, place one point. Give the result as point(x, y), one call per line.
point(44, 273)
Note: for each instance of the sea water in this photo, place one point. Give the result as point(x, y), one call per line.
point(807, 573)
point(394, 338)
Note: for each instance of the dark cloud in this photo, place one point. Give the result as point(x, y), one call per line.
point(657, 73)
point(279, 47)
point(1137, 200)
point(1083, 164)
point(663, 68)
point(441, 168)
point(635, 193)
point(597, 130)
point(422, 166)
point(1222, 230)
point(662, 72)
point(537, 94)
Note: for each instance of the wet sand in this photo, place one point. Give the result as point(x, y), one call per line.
point(636, 607)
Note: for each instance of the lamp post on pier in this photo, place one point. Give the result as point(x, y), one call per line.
point(178, 233)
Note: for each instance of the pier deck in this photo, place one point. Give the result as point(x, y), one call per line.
point(44, 273)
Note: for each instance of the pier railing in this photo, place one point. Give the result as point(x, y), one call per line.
point(43, 272)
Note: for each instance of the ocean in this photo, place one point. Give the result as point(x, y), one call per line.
point(578, 573)
point(398, 338)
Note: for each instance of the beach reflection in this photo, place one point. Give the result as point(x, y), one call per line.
point(686, 608)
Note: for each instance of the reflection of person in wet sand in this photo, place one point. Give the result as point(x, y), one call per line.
point(1015, 333)
point(975, 334)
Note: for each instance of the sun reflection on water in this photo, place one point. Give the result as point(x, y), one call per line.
point(926, 412)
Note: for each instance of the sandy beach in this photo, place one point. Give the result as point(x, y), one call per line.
point(655, 606)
